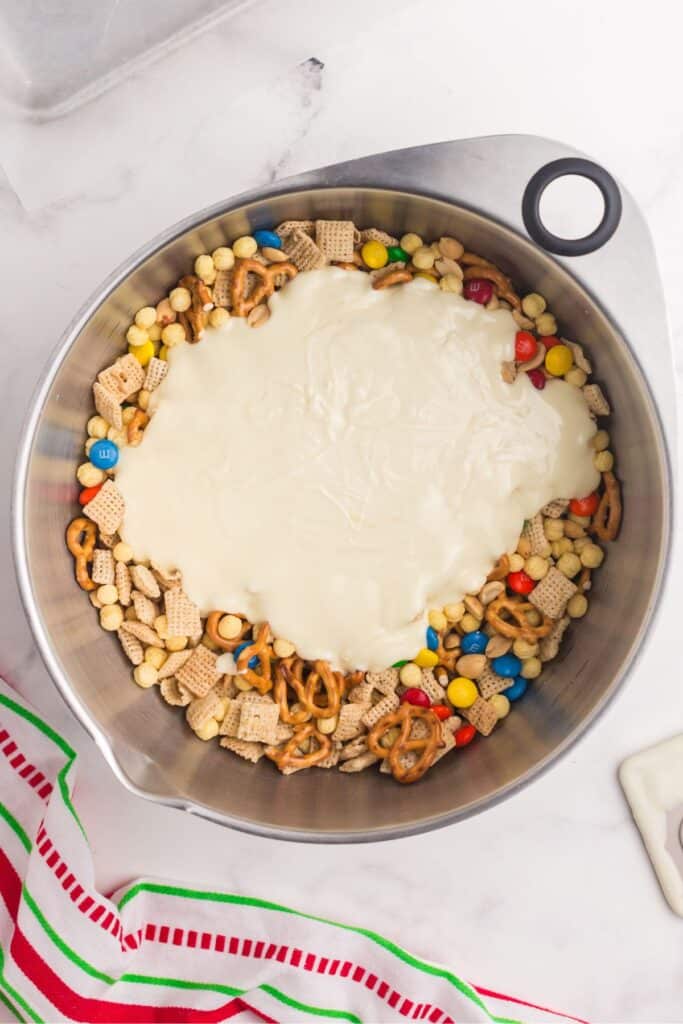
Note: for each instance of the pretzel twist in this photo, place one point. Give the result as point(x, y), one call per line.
point(81, 535)
point(214, 636)
point(403, 744)
point(607, 517)
point(393, 277)
point(194, 318)
point(243, 304)
point(500, 570)
point(260, 649)
point(321, 680)
point(516, 626)
point(136, 427)
point(287, 757)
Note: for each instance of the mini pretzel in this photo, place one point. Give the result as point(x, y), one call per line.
point(448, 658)
point(289, 672)
point(404, 717)
point(502, 283)
point(260, 649)
point(136, 427)
point(195, 317)
point(607, 518)
point(472, 259)
point(81, 535)
point(243, 304)
point(287, 757)
point(214, 636)
point(346, 266)
point(518, 626)
point(500, 569)
point(393, 277)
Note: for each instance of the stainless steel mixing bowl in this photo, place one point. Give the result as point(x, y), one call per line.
point(146, 743)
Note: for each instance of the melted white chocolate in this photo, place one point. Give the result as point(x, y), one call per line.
point(350, 464)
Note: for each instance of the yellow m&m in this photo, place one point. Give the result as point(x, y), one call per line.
point(559, 360)
point(143, 353)
point(462, 692)
point(426, 658)
point(374, 254)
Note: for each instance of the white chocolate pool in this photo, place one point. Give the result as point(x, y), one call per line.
point(350, 464)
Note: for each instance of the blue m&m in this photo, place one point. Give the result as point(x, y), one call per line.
point(474, 643)
point(517, 690)
point(253, 662)
point(267, 239)
point(432, 638)
point(507, 665)
point(104, 454)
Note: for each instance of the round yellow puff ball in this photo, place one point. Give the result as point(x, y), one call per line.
point(146, 317)
point(223, 258)
point(411, 242)
point(500, 704)
point(410, 674)
point(136, 336)
point(462, 692)
point(172, 334)
point(245, 247)
point(374, 255)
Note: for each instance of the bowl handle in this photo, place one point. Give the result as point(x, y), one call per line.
point(558, 169)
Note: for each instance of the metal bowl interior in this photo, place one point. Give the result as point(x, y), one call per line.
point(147, 743)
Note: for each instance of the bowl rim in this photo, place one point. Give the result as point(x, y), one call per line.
point(317, 182)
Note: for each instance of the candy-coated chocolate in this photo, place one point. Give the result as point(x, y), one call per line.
point(462, 692)
point(474, 643)
point(267, 239)
point(374, 254)
point(432, 638)
point(507, 665)
point(517, 690)
point(478, 290)
point(464, 735)
point(104, 454)
point(415, 696)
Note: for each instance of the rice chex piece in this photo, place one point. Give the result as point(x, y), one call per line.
point(145, 634)
point(145, 609)
point(123, 378)
point(535, 534)
point(102, 567)
point(549, 646)
point(199, 673)
point(551, 595)
point(357, 746)
point(489, 682)
point(106, 508)
point(362, 694)
point(231, 719)
point(145, 581)
point(303, 252)
point(123, 583)
point(555, 509)
point(283, 732)
point(482, 716)
point(222, 288)
point(579, 356)
point(108, 405)
point(175, 661)
point(182, 615)
point(175, 694)
point(156, 371)
point(350, 722)
point(244, 748)
point(258, 722)
point(335, 238)
point(359, 763)
point(288, 227)
point(595, 399)
point(385, 682)
point(167, 578)
point(447, 743)
point(385, 707)
point(201, 709)
point(332, 759)
point(375, 235)
point(434, 690)
point(132, 647)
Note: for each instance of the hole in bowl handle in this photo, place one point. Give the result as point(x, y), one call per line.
point(531, 202)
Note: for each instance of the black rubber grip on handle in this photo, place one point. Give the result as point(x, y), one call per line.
point(531, 202)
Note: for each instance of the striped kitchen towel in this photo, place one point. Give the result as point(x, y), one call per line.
point(154, 951)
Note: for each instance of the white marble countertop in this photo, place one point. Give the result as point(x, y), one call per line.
point(548, 895)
